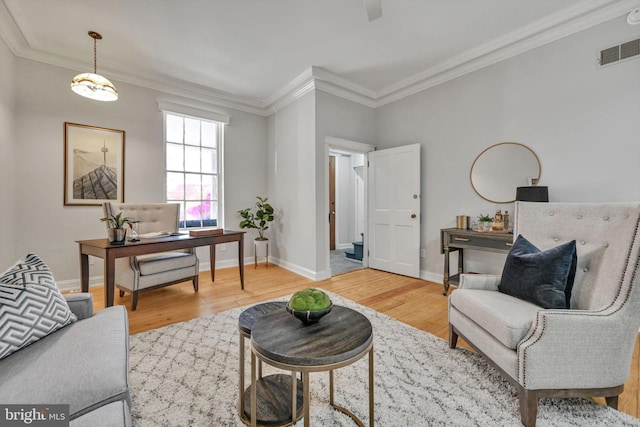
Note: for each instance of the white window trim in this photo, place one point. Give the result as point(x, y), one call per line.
point(197, 112)
point(219, 148)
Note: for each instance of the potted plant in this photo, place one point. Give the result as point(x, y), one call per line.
point(116, 231)
point(485, 222)
point(259, 220)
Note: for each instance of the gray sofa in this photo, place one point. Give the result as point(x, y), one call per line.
point(84, 364)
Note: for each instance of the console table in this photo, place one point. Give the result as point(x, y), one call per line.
point(455, 239)
point(101, 248)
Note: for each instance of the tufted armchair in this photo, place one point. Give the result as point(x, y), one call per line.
point(153, 271)
point(582, 351)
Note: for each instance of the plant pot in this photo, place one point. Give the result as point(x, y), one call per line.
point(117, 236)
point(261, 246)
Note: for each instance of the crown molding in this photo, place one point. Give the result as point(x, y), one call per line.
point(295, 89)
point(568, 21)
point(564, 23)
point(554, 27)
point(9, 31)
point(19, 46)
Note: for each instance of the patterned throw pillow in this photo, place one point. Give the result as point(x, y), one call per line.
point(31, 305)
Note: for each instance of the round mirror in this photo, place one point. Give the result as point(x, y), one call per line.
point(501, 168)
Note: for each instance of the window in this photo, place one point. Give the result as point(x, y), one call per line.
point(193, 165)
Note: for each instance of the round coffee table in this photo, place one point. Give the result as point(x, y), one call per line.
point(340, 338)
point(274, 391)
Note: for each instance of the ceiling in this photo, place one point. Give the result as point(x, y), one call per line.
point(250, 51)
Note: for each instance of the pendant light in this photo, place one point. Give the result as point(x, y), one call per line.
point(633, 18)
point(93, 85)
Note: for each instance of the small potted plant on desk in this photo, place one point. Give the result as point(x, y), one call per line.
point(259, 220)
point(116, 231)
point(485, 222)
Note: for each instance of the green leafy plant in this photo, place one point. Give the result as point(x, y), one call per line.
point(260, 219)
point(485, 218)
point(117, 221)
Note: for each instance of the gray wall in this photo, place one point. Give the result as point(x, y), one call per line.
point(43, 103)
point(298, 175)
point(7, 158)
point(581, 120)
point(292, 175)
point(340, 118)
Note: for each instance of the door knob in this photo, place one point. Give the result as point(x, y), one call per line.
point(413, 215)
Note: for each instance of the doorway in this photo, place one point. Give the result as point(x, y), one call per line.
point(346, 210)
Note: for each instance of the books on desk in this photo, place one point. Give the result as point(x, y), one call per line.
point(205, 232)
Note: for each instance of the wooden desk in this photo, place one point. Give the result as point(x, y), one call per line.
point(101, 248)
point(455, 239)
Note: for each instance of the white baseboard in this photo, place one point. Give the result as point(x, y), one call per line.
point(431, 276)
point(74, 284)
point(309, 274)
point(343, 246)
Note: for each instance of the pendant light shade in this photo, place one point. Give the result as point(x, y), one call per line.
point(633, 18)
point(93, 85)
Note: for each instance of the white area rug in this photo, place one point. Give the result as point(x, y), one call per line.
point(187, 375)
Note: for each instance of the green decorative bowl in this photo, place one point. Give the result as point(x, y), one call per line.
point(310, 316)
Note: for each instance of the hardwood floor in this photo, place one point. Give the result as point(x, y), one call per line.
point(416, 302)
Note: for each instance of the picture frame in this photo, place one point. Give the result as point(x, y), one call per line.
point(93, 165)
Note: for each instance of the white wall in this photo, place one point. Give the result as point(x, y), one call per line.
point(582, 121)
point(8, 210)
point(345, 201)
point(291, 185)
point(45, 102)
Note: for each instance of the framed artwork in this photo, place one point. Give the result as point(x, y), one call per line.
point(93, 165)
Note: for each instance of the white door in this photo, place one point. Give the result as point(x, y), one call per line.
point(394, 210)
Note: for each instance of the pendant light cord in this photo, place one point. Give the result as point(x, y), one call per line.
point(95, 56)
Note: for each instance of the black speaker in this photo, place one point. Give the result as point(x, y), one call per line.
point(532, 194)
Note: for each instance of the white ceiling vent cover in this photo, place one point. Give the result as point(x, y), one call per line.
point(620, 52)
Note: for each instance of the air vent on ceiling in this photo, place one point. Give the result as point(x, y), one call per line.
point(618, 53)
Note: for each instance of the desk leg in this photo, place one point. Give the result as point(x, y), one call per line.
point(445, 278)
point(460, 261)
point(109, 279)
point(84, 272)
point(212, 261)
point(241, 259)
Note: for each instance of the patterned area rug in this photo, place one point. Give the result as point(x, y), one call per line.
point(187, 375)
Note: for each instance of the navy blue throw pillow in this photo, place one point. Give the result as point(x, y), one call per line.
point(544, 278)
